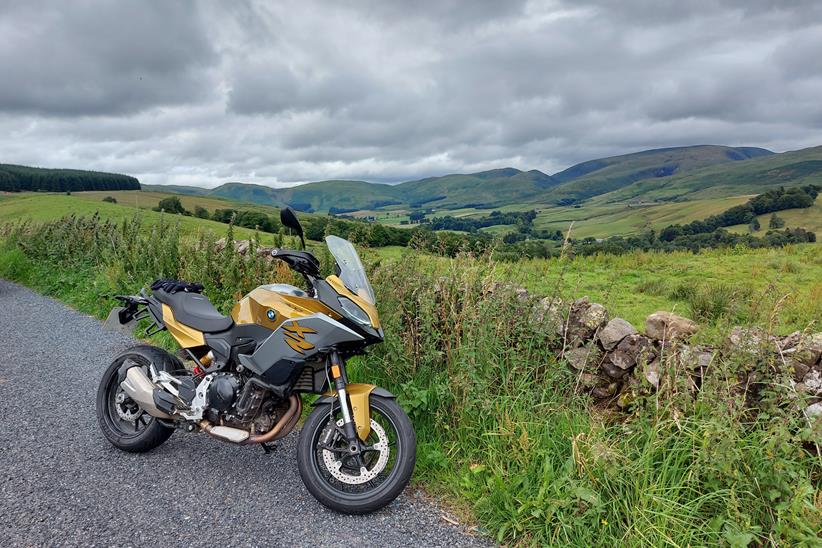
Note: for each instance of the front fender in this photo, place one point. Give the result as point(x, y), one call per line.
point(359, 395)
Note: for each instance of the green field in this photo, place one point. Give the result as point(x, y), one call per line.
point(604, 220)
point(600, 219)
point(46, 207)
point(810, 219)
point(148, 199)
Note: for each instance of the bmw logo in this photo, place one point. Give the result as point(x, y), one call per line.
point(271, 315)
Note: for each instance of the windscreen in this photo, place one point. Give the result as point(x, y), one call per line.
point(352, 272)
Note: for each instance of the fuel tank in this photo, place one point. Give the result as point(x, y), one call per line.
point(272, 304)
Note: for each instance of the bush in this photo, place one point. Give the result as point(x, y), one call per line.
point(171, 204)
point(776, 222)
point(110, 199)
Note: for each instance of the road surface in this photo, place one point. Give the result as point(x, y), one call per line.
point(61, 483)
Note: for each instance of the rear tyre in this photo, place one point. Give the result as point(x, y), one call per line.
point(343, 487)
point(122, 422)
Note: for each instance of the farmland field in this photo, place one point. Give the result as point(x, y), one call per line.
point(45, 207)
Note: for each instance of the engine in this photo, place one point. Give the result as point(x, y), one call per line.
point(242, 403)
point(223, 392)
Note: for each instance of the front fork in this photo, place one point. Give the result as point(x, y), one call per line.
point(340, 379)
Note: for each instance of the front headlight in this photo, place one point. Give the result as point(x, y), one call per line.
point(354, 312)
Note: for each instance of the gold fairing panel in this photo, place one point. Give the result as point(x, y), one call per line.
point(369, 308)
point(359, 397)
point(254, 307)
point(186, 336)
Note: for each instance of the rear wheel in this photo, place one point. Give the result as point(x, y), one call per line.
point(121, 420)
point(339, 480)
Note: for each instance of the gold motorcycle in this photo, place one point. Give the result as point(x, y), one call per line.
point(357, 448)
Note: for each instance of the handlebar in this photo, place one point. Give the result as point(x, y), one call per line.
point(302, 262)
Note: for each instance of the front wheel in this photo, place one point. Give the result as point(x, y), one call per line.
point(357, 487)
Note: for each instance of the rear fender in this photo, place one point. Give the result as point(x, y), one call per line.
point(359, 395)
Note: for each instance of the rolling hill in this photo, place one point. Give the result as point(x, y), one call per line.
point(500, 187)
point(605, 175)
point(751, 177)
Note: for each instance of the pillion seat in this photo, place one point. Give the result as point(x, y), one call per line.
point(194, 310)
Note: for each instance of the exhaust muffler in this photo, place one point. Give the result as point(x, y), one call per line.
point(139, 388)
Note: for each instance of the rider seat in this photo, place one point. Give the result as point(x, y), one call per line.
point(194, 310)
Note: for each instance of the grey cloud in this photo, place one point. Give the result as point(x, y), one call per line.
point(97, 57)
point(278, 93)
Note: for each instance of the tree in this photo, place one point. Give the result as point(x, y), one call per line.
point(776, 222)
point(254, 219)
point(416, 216)
point(171, 204)
point(224, 215)
point(379, 236)
point(201, 212)
point(754, 226)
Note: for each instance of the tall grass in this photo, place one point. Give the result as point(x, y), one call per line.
point(502, 426)
point(126, 256)
point(498, 421)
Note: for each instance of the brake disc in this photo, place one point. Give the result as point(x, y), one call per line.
point(123, 412)
point(335, 465)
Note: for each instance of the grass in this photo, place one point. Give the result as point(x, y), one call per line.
point(636, 284)
point(810, 219)
point(148, 199)
point(498, 421)
point(603, 220)
point(41, 207)
point(501, 426)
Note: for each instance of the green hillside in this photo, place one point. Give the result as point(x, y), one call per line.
point(754, 176)
point(704, 180)
point(508, 186)
point(177, 189)
point(39, 207)
point(494, 187)
point(343, 195)
point(242, 192)
point(598, 177)
point(484, 189)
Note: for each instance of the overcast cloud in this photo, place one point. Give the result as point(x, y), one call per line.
point(280, 92)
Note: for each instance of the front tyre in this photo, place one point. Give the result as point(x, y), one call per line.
point(335, 480)
point(123, 423)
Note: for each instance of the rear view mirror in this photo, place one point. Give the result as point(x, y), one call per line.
point(289, 219)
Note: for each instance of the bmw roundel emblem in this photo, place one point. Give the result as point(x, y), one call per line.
point(271, 315)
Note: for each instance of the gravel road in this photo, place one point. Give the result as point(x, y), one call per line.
point(61, 483)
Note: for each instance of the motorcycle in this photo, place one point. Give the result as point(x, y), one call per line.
point(249, 372)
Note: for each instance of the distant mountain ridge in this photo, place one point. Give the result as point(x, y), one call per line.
point(657, 174)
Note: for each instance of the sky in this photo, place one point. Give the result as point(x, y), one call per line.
point(276, 93)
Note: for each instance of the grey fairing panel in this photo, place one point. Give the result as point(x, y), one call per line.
point(276, 362)
point(221, 343)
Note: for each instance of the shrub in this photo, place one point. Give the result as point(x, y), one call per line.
point(172, 204)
